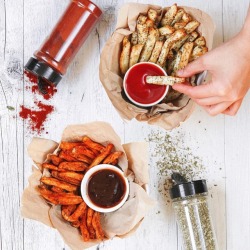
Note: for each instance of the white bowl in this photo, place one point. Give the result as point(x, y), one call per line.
point(138, 103)
point(85, 182)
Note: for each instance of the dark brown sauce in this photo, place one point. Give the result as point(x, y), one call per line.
point(106, 188)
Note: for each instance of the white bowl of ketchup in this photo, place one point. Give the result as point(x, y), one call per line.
point(138, 90)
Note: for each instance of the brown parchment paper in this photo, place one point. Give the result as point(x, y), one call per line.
point(120, 223)
point(166, 115)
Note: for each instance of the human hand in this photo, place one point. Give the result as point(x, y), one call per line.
point(229, 66)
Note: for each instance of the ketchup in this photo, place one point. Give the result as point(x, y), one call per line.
point(138, 89)
point(59, 49)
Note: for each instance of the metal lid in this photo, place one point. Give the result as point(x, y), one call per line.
point(43, 70)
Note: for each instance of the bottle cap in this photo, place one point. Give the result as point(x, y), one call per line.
point(43, 70)
point(183, 188)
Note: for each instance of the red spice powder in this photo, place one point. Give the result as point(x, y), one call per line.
point(36, 117)
point(32, 78)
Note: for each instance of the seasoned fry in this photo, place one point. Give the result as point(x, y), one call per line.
point(141, 19)
point(192, 36)
point(150, 23)
point(67, 210)
point(59, 198)
point(186, 53)
point(200, 41)
point(64, 145)
point(197, 52)
point(134, 38)
point(112, 158)
point(57, 183)
point(135, 54)
point(124, 58)
point(169, 15)
point(80, 210)
point(176, 46)
point(180, 25)
point(91, 144)
point(152, 15)
point(56, 160)
point(142, 30)
point(164, 80)
point(68, 177)
point(57, 189)
point(73, 166)
point(166, 30)
point(156, 51)
point(191, 26)
point(178, 16)
point(50, 166)
point(102, 156)
point(83, 158)
point(186, 18)
point(83, 150)
point(149, 45)
point(83, 227)
point(97, 226)
point(65, 155)
point(90, 213)
point(176, 36)
point(76, 224)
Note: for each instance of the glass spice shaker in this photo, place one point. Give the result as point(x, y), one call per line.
point(193, 216)
point(50, 62)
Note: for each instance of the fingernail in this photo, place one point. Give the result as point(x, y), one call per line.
point(180, 72)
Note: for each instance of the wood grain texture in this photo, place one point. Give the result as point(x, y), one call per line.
point(222, 143)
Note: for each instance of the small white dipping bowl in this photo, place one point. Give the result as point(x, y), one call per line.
point(149, 65)
point(85, 183)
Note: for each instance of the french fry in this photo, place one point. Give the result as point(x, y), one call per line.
point(191, 26)
point(142, 29)
point(178, 16)
point(186, 53)
point(134, 38)
point(166, 30)
point(91, 144)
point(50, 166)
point(150, 23)
point(124, 58)
point(65, 155)
point(186, 18)
point(152, 15)
point(56, 160)
point(113, 158)
point(192, 36)
point(180, 25)
point(83, 158)
point(83, 227)
point(176, 46)
point(200, 41)
point(76, 224)
point(149, 45)
point(57, 183)
point(67, 177)
point(141, 19)
point(57, 189)
point(67, 210)
point(90, 213)
point(97, 226)
point(80, 210)
point(83, 150)
point(197, 52)
point(59, 198)
point(73, 166)
point(102, 156)
point(156, 51)
point(135, 54)
point(169, 15)
point(176, 36)
point(164, 80)
point(64, 145)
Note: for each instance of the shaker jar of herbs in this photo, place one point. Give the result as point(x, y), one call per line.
point(193, 216)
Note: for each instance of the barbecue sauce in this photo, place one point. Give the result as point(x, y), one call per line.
point(106, 188)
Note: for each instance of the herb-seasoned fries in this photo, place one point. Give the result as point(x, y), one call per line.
point(170, 40)
point(67, 169)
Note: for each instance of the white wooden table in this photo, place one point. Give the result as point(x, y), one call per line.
point(222, 142)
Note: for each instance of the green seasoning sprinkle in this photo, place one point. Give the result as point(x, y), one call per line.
point(10, 108)
point(172, 155)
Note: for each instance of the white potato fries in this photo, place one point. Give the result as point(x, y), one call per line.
point(170, 40)
point(164, 80)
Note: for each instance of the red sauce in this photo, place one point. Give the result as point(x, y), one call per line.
point(138, 89)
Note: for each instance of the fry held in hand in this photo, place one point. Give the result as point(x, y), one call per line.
point(164, 80)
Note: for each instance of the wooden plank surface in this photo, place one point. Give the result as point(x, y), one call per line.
point(222, 143)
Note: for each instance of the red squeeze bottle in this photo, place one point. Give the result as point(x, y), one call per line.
point(51, 61)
